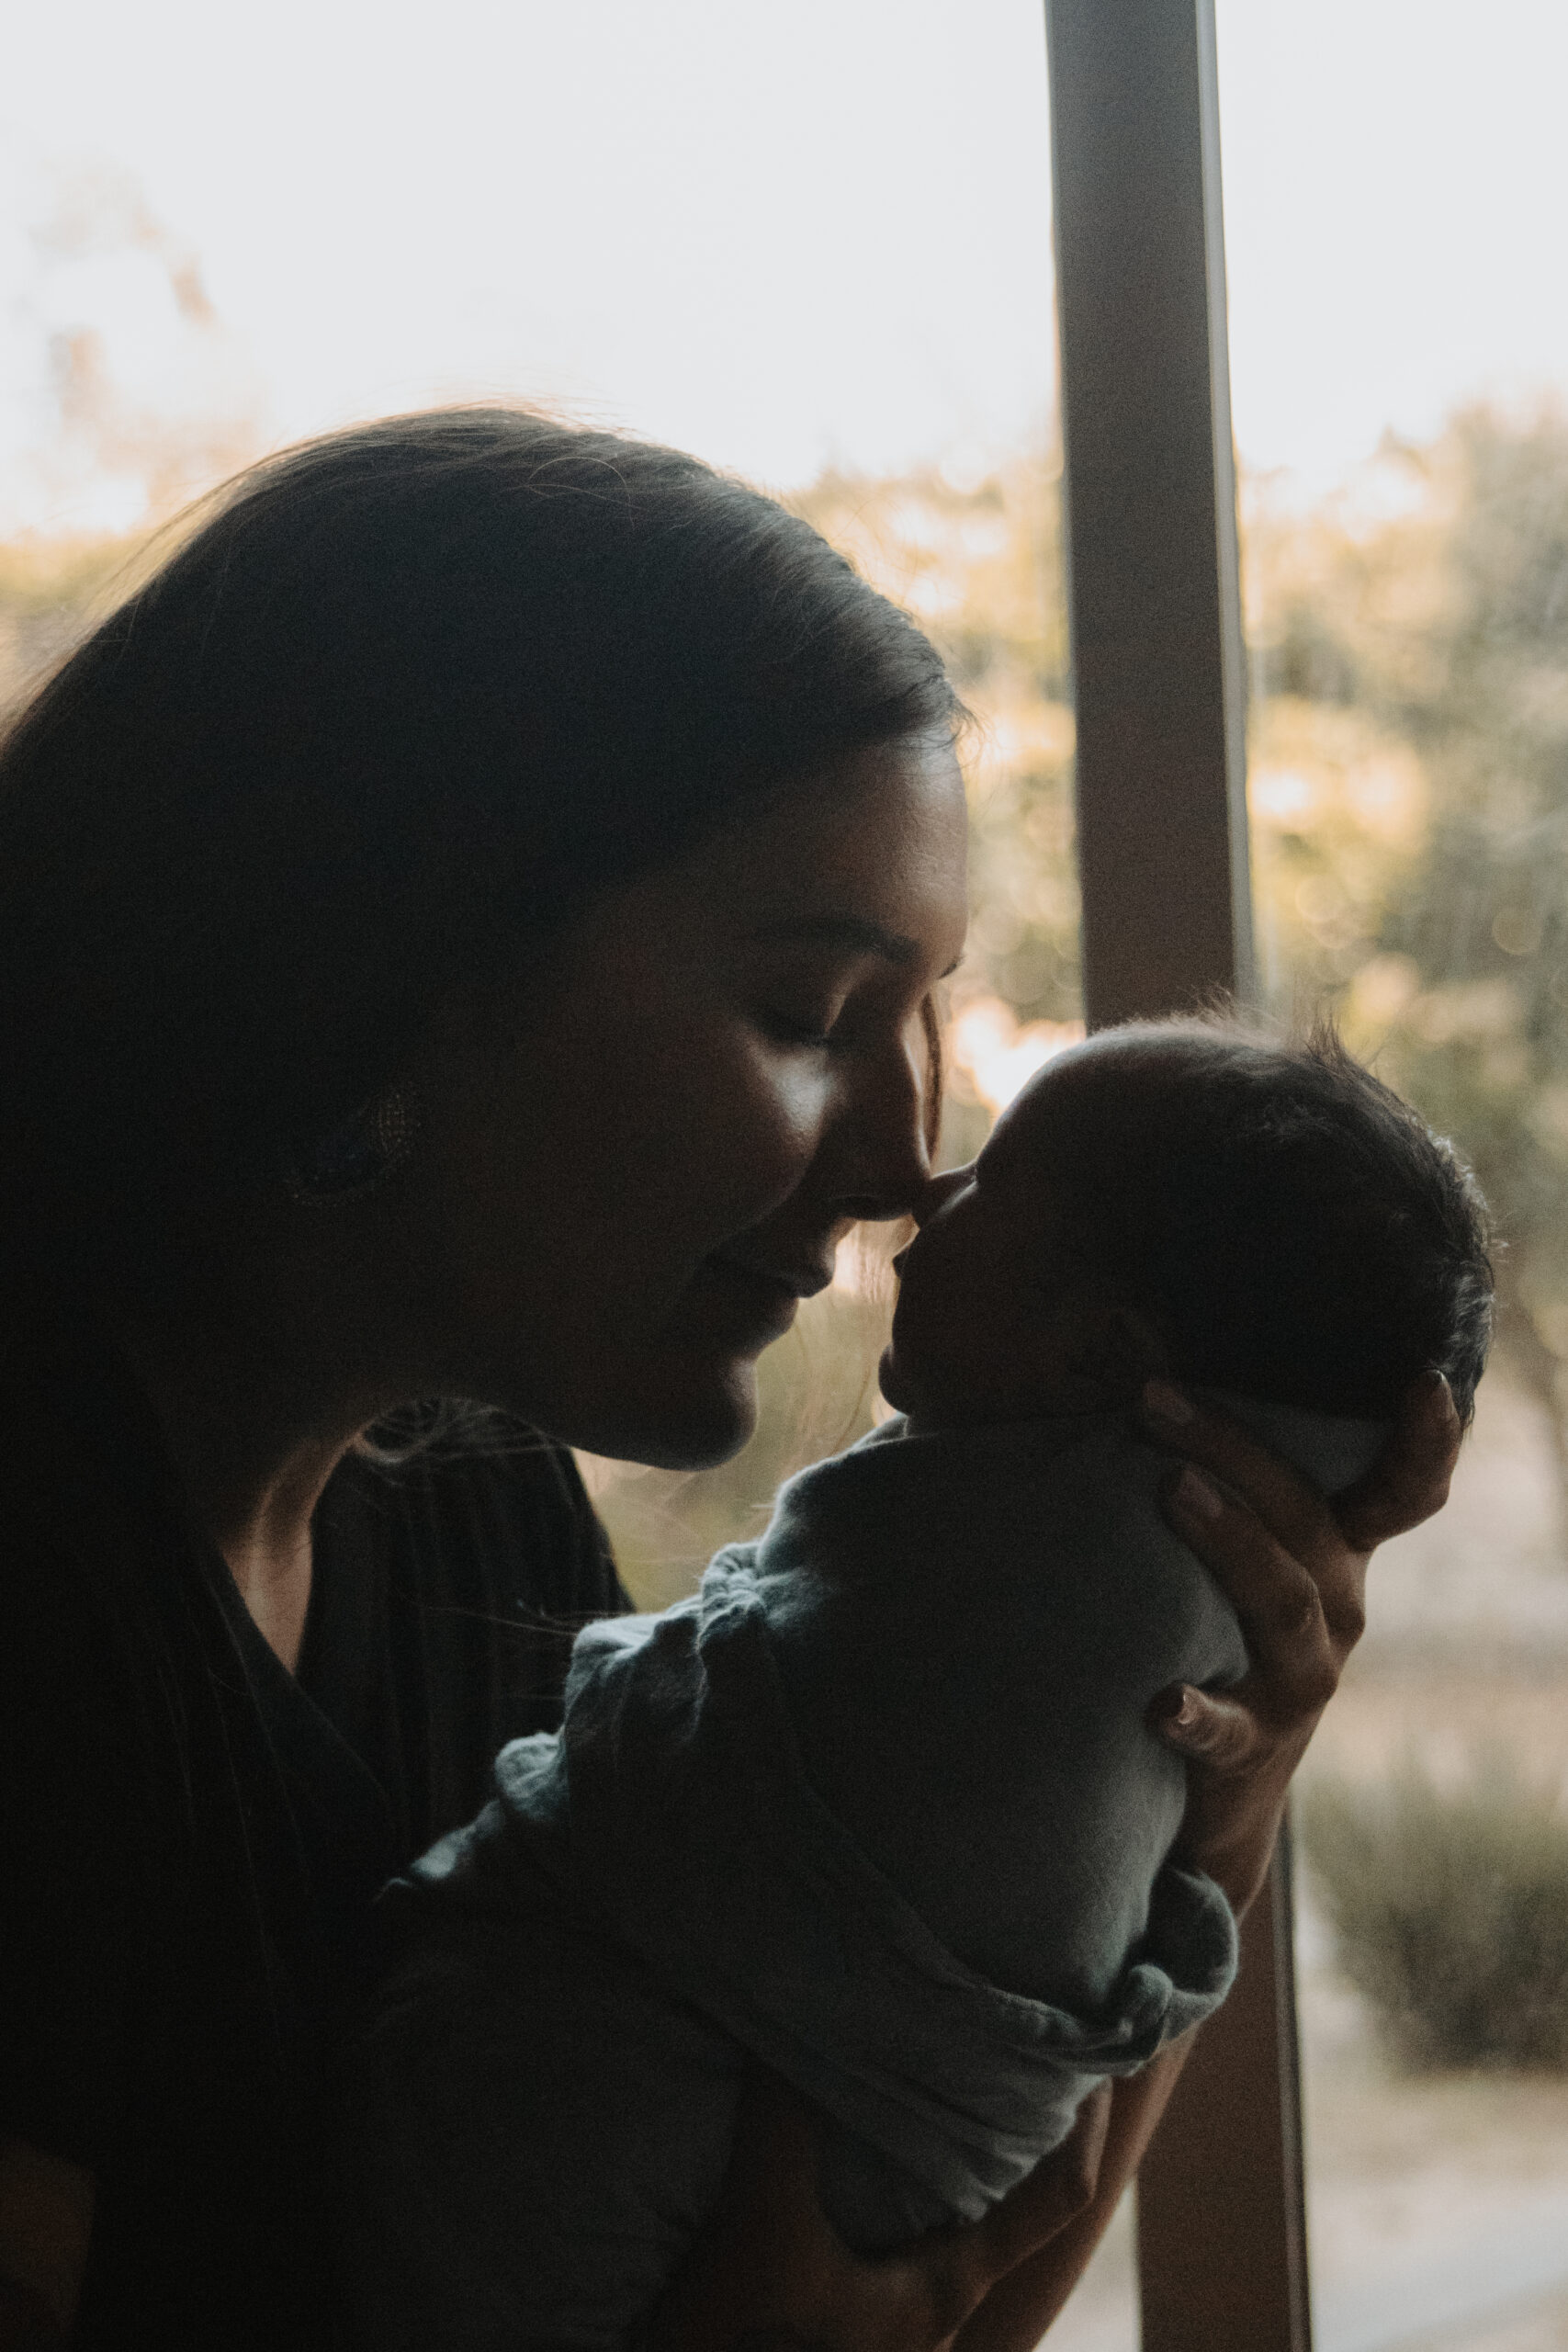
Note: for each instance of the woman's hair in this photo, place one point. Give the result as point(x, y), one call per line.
point(404, 698)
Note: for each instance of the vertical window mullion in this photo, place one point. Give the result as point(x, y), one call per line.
point(1158, 664)
point(1222, 2230)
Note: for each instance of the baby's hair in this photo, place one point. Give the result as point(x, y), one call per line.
point(1294, 1230)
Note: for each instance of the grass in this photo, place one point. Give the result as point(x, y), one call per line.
point(1449, 1906)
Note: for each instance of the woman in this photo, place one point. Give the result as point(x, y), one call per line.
point(467, 929)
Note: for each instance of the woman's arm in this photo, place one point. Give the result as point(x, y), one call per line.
point(1018, 2309)
point(46, 2220)
point(770, 2276)
point(1294, 1568)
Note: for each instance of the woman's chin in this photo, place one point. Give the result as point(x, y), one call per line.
point(692, 1422)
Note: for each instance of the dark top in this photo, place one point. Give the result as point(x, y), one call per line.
point(191, 1837)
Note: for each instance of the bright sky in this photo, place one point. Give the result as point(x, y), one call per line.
point(1396, 209)
point(779, 235)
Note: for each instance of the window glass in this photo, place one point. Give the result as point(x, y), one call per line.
point(1395, 182)
point(788, 239)
point(812, 244)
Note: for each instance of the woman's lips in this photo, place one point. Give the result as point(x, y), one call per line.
point(764, 1297)
point(803, 1279)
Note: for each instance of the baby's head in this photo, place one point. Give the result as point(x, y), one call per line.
point(1189, 1197)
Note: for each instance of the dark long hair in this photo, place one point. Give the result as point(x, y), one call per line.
point(397, 702)
point(406, 694)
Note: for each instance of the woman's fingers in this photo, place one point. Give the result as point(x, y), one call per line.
point(1283, 1610)
point(949, 2274)
point(1208, 1725)
point(766, 2260)
point(1287, 1503)
point(1279, 1550)
point(1409, 1480)
point(769, 2269)
point(1294, 1569)
point(773, 2162)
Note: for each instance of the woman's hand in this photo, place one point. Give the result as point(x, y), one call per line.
point(769, 2274)
point(1294, 1568)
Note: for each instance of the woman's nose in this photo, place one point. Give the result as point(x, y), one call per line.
point(879, 1156)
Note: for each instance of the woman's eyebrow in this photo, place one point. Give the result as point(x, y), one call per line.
point(844, 930)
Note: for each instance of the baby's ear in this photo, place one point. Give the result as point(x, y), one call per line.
point(1119, 1350)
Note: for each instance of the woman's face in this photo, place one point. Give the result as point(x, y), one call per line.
point(635, 1168)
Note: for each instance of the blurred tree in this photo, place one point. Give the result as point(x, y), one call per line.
point(978, 560)
point(1411, 792)
point(979, 566)
point(133, 393)
point(136, 395)
point(48, 590)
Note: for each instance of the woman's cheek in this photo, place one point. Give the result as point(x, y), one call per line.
point(750, 1118)
point(788, 1109)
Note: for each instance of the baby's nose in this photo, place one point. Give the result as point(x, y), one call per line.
point(938, 1190)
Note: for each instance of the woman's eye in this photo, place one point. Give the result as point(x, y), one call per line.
point(795, 1030)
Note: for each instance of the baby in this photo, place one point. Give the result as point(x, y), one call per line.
point(879, 1806)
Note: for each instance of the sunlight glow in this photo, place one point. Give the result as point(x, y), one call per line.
point(987, 1049)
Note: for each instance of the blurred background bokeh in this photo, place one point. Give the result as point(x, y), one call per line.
point(814, 245)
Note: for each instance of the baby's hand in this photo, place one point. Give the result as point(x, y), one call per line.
point(769, 2274)
point(1295, 1568)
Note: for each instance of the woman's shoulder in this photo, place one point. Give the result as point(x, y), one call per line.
point(457, 1555)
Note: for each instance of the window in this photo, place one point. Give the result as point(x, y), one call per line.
point(1395, 192)
point(816, 245)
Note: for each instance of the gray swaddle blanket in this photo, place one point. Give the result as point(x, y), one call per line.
point(877, 1806)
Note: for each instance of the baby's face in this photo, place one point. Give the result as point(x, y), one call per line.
point(1001, 1313)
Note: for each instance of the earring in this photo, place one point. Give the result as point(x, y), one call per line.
point(361, 1154)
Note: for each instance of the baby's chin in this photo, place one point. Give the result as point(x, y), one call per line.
point(929, 1403)
point(898, 1390)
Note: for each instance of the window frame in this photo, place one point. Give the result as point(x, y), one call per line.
point(1160, 692)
